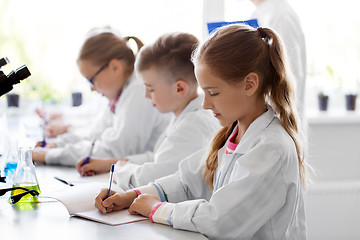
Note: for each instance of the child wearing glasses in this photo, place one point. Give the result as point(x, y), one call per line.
point(167, 71)
point(249, 184)
point(129, 125)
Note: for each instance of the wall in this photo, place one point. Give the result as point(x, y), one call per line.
point(332, 201)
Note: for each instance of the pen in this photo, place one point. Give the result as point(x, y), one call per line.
point(110, 181)
point(111, 176)
point(87, 159)
point(44, 130)
point(63, 181)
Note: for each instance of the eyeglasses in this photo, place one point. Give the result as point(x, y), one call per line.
point(92, 79)
point(14, 199)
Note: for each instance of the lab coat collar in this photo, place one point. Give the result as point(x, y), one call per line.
point(254, 130)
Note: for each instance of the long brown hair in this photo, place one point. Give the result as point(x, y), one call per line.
point(103, 45)
point(234, 51)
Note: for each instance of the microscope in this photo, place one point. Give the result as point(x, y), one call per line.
point(7, 82)
point(14, 77)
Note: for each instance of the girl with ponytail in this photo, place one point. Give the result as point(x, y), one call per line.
point(129, 125)
point(249, 185)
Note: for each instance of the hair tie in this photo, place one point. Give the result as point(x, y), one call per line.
point(263, 35)
point(262, 32)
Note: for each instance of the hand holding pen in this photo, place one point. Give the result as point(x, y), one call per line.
point(87, 159)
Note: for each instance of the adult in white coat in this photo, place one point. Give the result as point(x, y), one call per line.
point(250, 185)
point(168, 74)
point(129, 125)
point(281, 17)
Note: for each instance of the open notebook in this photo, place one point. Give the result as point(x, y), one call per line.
point(79, 201)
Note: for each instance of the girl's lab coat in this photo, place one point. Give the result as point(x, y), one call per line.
point(133, 128)
point(257, 191)
point(187, 133)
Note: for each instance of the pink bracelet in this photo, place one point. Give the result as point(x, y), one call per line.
point(136, 190)
point(154, 210)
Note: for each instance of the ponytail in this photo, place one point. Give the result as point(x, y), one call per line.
point(234, 51)
point(138, 42)
point(282, 96)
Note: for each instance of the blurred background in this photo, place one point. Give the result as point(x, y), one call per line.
point(47, 35)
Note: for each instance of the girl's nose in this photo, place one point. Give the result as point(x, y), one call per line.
point(207, 103)
point(147, 94)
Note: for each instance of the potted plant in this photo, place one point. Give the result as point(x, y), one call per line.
point(323, 101)
point(76, 98)
point(350, 101)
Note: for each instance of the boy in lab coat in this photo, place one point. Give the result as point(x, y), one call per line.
point(168, 74)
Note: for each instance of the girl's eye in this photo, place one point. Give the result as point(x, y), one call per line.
point(213, 94)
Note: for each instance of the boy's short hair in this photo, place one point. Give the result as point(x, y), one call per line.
point(170, 53)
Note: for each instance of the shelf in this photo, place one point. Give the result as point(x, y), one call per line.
point(333, 117)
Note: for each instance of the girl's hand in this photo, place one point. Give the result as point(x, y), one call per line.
point(144, 204)
point(116, 201)
point(53, 130)
point(53, 116)
point(48, 145)
point(95, 166)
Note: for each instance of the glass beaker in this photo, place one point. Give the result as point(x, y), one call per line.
point(25, 176)
point(11, 159)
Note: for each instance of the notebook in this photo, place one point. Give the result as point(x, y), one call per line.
point(79, 201)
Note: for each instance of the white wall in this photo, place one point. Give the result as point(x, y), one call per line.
point(332, 201)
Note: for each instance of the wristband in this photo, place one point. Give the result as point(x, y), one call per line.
point(136, 190)
point(154, 210)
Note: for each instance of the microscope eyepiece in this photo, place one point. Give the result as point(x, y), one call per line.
point(14, 77)
point(4, 61)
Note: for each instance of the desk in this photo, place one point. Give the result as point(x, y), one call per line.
point(50, 219)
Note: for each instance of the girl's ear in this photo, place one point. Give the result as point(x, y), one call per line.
point(251, 83)
point(181, 88)
point(117, 65)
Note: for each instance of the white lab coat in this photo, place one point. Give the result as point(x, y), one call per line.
point(133, 128)
point(187, 133)
point(281, 17)
point(257, 190)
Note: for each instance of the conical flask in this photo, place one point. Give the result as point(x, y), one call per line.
point(25, 176)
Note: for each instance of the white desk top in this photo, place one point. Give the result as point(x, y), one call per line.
point(50, 220)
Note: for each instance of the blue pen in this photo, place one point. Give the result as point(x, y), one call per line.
point(111, 176)
point(43, 143)
point(87, 159)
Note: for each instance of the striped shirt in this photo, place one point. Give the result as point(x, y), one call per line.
point(231, 145)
